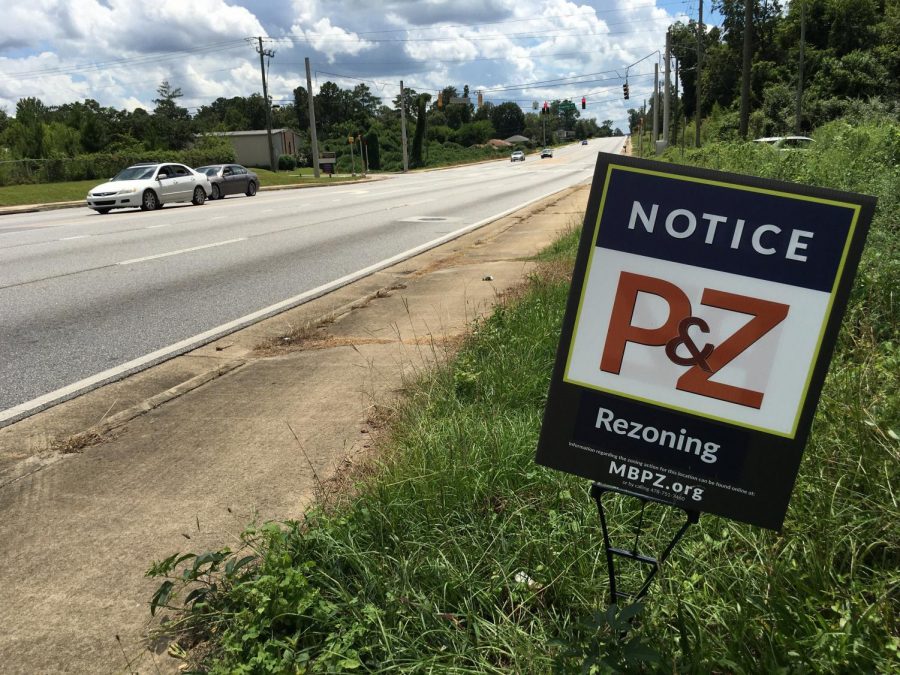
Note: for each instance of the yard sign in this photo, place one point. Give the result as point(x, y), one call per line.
point(703, 311)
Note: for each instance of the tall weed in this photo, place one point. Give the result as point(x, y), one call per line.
point(461, 555)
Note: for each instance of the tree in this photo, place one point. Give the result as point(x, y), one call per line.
point(567, 112)
point(94, 135)
point(634, 120)
point(484, 112)
point(373, 149)
point(301, 108)
point(333, 106)
point(474, 133)
point(364, 104)
point(410, 103)
point(508, 119)
point(419, 137)
point(171, 127)
point(29, 141)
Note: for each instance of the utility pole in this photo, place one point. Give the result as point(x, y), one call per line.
point(745, 79)
point(699, 69)
point(668, 84)
point(655, 104)
point(800, 75)
point(403, 126)
point(679, 109)
point(262, 69)
point(312, 121)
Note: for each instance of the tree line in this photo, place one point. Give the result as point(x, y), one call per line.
point(851, 52)
point(441, 123)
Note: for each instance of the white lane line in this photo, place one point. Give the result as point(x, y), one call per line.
point(77, 236)
point(351, 192)
point(267, 210)
point(179, 252)
point(218, 218)
point(142, 362)
point(153, 227)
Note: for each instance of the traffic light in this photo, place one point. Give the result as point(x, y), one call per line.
point(480, 99)
point(583, 102)
point(546, 109)
point(440, 100)
point(625, 90)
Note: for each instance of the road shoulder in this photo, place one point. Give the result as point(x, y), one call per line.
point(198, 447)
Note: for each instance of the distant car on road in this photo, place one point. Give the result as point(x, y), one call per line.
point(786, 142)
point(517, 156)
point(584, 142)
point(230, 179)
point(149, 186)
point(546, 152)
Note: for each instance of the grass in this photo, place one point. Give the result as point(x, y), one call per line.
point(48, 193)
point(45, 193)
point(456, 553)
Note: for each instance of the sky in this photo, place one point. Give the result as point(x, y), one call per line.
point(117, 52)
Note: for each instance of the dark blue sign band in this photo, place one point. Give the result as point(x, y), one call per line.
point(714, 451)
point(779, 237)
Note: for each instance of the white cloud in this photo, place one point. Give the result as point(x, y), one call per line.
point(118, 51)
point(330, 40)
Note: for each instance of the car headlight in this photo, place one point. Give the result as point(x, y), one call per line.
point(128, 191)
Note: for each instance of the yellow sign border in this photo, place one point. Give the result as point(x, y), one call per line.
point(855, 208)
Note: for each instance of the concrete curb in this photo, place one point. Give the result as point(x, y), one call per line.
point(54, 206)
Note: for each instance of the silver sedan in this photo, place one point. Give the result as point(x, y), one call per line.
point(230, 179)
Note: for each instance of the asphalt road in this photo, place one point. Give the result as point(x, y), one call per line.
point(86, 298)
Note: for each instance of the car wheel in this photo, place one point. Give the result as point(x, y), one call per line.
point(251, 188)
point(102, 212)
point(199, 196)
point(216, 192)
point(149, 201)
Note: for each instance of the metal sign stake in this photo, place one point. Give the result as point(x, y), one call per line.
point(692, 517)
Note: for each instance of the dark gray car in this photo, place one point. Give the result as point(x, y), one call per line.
point(230, 179)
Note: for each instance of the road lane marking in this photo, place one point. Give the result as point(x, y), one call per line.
point(180, 251)
point(153, 227)
point(143, 362)
point(77, 236)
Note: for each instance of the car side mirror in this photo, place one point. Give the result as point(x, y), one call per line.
point(161, 176)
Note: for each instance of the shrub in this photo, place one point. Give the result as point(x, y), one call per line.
point(286, 163)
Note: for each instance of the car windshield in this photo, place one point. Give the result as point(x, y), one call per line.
point(208, 170)
point(136, 173)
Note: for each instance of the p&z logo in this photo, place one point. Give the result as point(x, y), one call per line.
point(674, 336)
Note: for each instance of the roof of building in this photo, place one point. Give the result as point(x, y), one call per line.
point(254, 132)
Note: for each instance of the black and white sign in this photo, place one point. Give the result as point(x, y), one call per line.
point(703, 311)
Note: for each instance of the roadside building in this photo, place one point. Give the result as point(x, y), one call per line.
point(252, 149)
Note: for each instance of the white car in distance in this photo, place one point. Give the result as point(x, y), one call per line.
point(149, 186)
